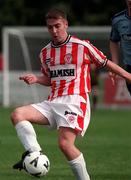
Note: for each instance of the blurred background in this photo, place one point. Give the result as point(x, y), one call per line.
point(23, 34)
point(80, 12)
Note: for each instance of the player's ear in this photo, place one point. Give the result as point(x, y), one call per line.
point(66, 23)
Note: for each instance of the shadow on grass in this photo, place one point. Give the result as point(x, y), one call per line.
point(21, 175)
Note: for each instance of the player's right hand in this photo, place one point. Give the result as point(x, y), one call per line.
point(29, 78)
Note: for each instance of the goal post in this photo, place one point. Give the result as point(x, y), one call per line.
point(5, 68)
point(21, 48)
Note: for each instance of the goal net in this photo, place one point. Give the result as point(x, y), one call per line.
point(21, 48)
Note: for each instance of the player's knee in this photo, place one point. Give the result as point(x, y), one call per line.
point(64, 145)
point(16, 115)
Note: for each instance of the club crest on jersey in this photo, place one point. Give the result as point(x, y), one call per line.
point(68, 58)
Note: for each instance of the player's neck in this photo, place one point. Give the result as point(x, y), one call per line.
point(63, 40)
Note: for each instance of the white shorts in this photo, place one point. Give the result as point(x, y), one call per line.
point(71, 111)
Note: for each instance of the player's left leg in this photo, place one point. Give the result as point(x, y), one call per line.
point(75, 158)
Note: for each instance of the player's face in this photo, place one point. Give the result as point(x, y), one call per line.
point(57, 29)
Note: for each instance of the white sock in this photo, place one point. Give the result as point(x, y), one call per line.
point(27, 136)
point(79, 168)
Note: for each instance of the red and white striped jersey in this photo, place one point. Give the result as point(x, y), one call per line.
point(68, 66)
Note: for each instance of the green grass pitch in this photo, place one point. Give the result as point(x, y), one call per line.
point(106, 147)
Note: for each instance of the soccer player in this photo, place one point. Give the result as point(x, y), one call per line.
point(120, 39)
point(65, 65)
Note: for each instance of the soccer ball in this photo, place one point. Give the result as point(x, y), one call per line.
point(36, 164)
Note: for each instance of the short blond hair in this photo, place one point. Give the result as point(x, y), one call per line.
point(55, 13)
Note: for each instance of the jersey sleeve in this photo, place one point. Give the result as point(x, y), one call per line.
point(44, 66)
point(95, 55)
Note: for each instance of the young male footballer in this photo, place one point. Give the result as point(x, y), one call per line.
point(65, 66)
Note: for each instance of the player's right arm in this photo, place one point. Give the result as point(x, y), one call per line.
point(32, 79)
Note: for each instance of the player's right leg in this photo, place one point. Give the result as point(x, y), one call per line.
point(22, 118)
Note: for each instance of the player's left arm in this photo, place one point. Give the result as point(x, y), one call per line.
point(118, 70)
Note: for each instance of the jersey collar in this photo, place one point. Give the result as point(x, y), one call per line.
point(66, 41)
